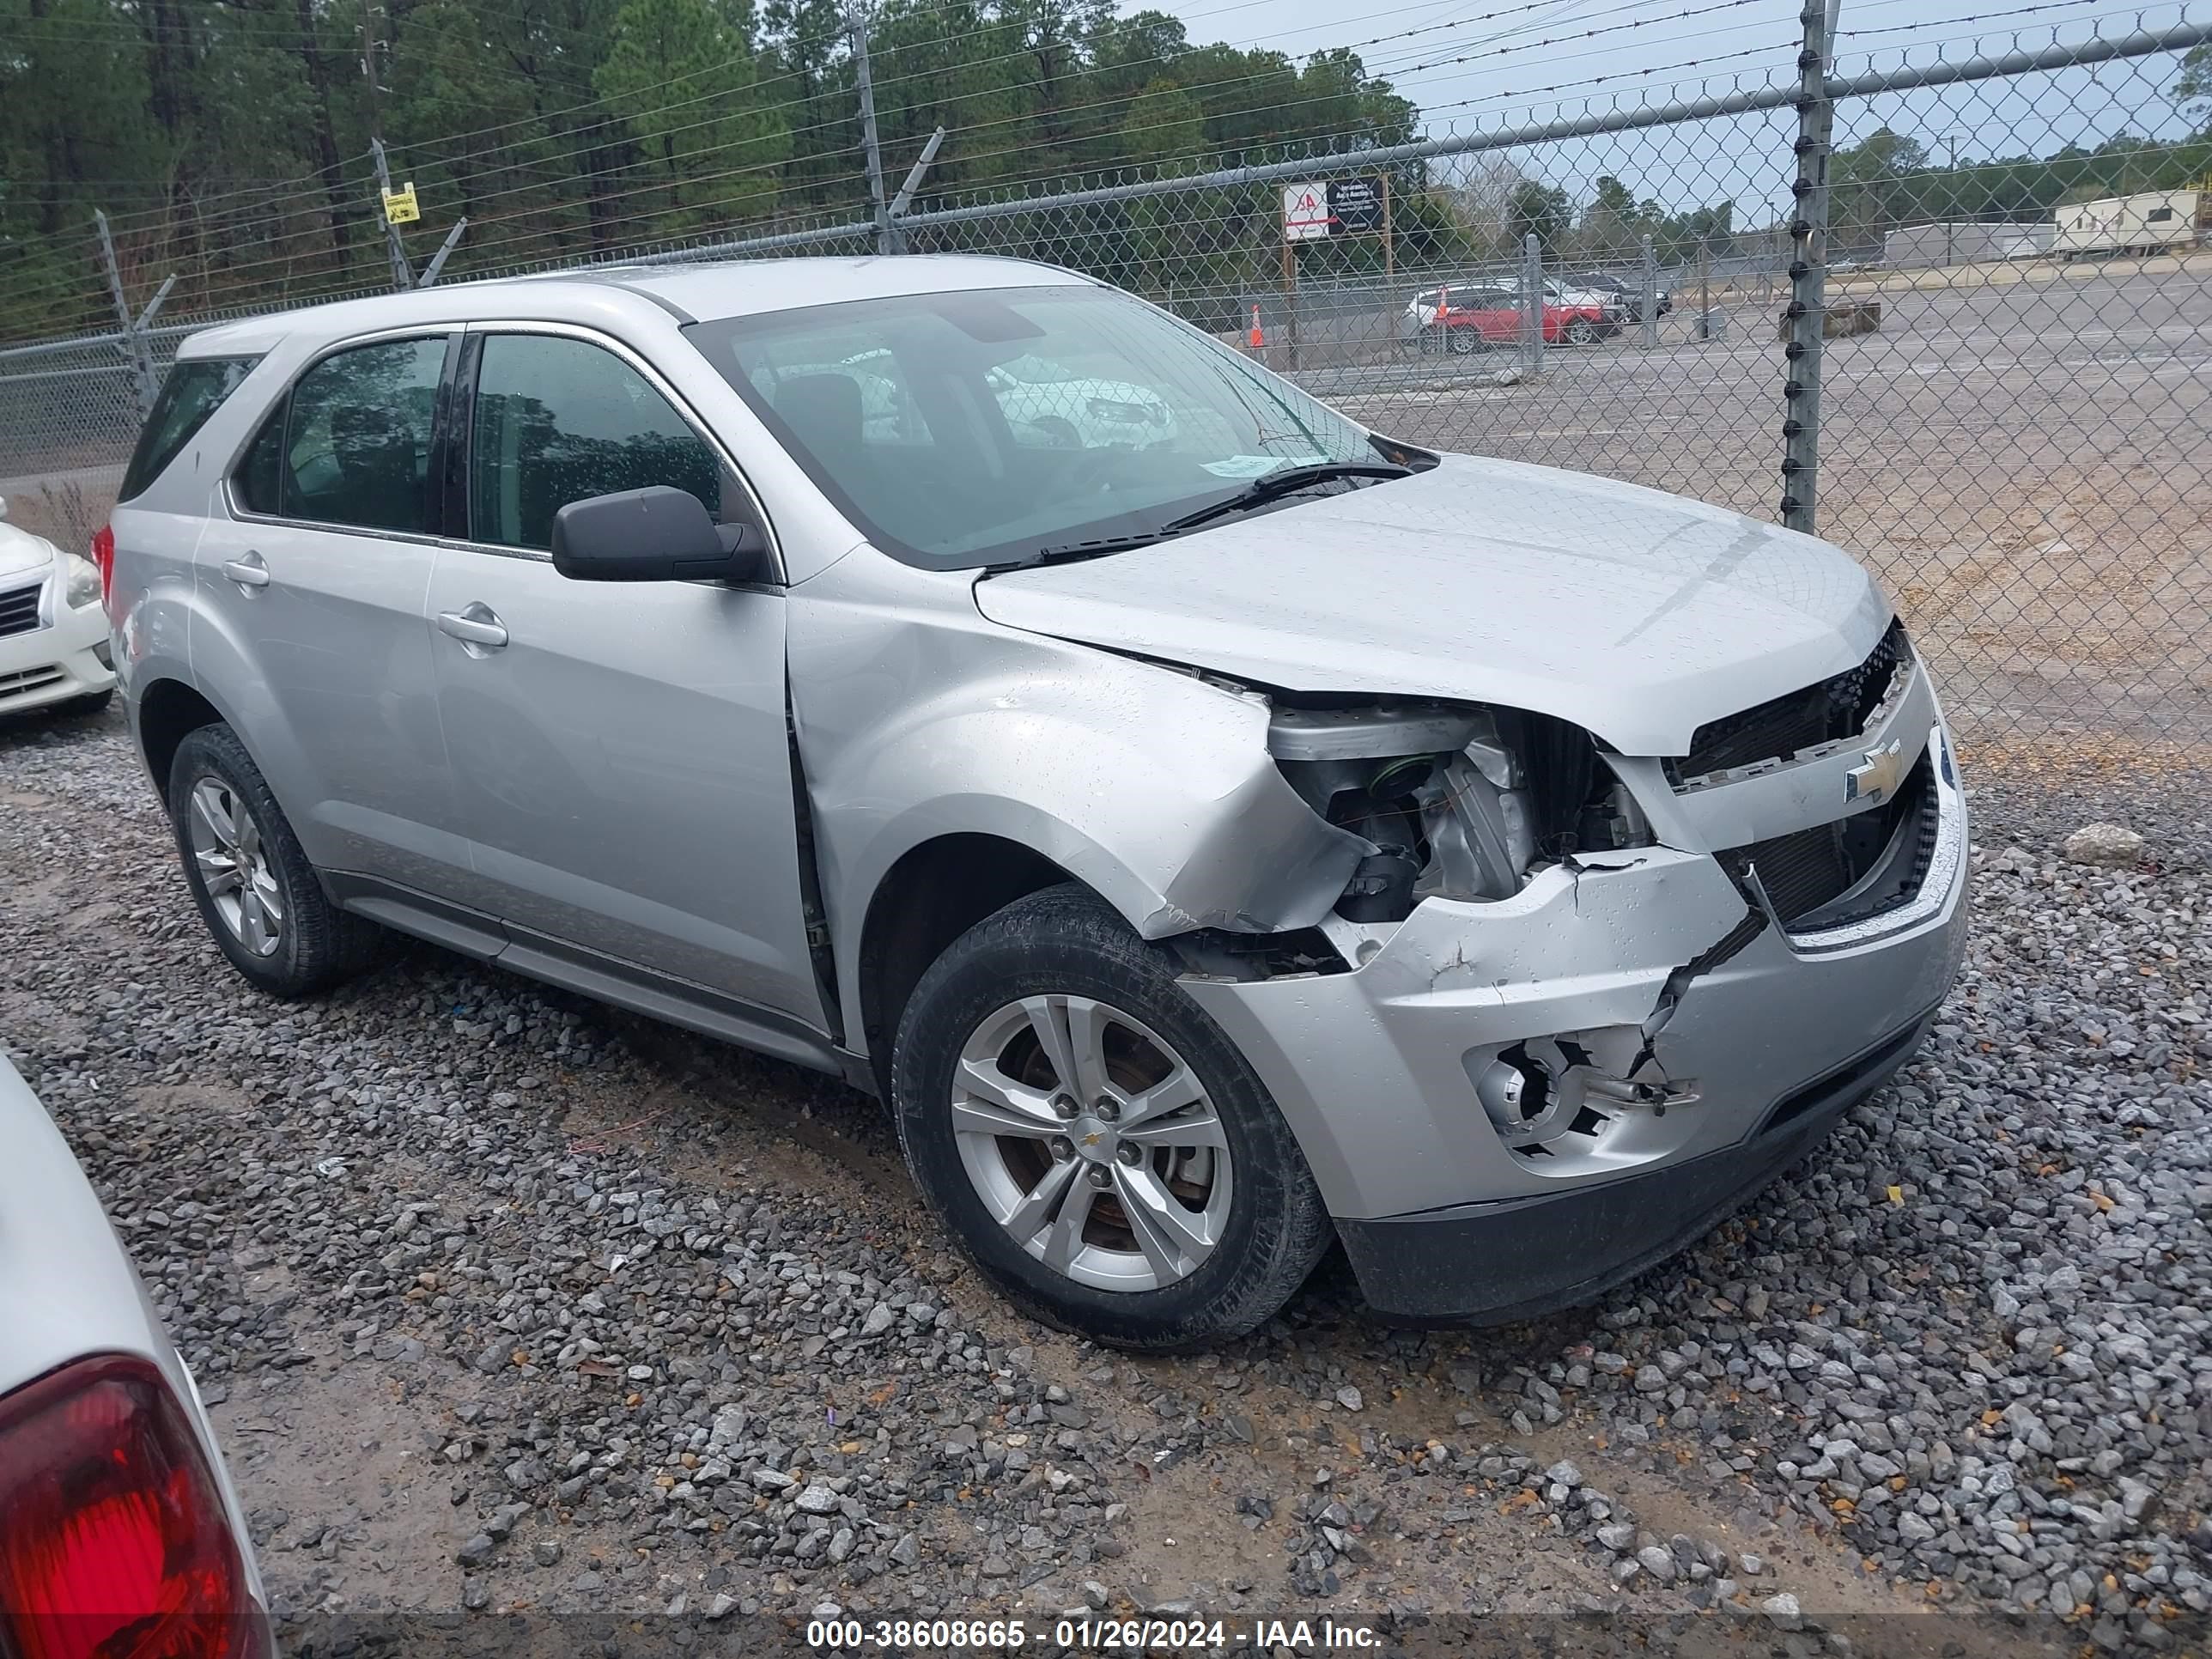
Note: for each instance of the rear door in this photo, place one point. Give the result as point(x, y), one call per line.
point(619, 749)
point(311, 624)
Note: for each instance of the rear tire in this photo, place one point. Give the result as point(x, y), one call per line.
point(260, 898)
point(1197, 1227)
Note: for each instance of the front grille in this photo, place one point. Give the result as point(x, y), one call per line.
point(1801, 871)
point(1809, 870)
point(19, 610)
point(1783, 726)
point(29, 680)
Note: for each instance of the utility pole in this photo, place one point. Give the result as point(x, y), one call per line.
point(857, 21)
point(403, 274)
point(1951, 211)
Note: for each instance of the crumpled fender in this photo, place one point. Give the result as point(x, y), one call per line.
point(916, 718)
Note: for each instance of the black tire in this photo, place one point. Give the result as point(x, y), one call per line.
point(1465, 342)
point(1066, 940)
point(317, 944)
point(93, 702)
point(1581, 331)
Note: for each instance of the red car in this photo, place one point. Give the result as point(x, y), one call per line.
point(1466, 319)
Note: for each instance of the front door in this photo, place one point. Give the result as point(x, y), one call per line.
point(619, 750)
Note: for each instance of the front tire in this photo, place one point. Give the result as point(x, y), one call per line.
point(1097, 1145)
point(1581, 333)
point(256, 891)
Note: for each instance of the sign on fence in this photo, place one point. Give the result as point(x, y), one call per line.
point(1343, 207)
point(1356, 205)
point(400, 205)
point(1305, 213)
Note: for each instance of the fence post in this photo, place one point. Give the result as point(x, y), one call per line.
point(1650, 311)
point(136, 349)
point(1806, 312)
point(871, 149)
point(444, 252)
point(904, 199)
point(403, 274)
point(1532, 304)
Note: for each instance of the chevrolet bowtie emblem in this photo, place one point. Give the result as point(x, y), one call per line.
point(1877, 779)
point(1090, 1140)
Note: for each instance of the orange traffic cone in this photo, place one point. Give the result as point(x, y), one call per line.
point(1259, 339)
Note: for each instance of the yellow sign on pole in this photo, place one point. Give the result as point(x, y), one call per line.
point(400, 205)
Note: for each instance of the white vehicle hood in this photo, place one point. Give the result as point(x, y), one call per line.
point(20, 550)
point(1636, 615)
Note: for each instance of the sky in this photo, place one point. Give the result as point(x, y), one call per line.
point(1482, 64)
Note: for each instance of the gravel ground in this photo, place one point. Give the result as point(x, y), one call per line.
point(507, 1302)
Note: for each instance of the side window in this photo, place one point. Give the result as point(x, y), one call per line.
point(260, 479)
point(194, 391)
point(558, 420)
point(357, 446)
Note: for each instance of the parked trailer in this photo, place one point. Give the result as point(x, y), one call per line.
point(2148, 221)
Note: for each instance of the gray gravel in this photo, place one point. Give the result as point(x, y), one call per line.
point(507, 1301)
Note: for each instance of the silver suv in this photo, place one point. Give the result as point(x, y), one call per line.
point(1213, 828)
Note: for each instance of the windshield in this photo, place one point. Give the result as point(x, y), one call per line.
point(964, 429)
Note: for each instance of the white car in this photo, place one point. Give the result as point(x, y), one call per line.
point(122, 1535)
point(1075, 411)
point(53, 633)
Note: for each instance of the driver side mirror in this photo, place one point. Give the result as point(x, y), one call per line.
point(657, 534)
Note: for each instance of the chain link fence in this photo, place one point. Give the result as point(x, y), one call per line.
point(1950, 304)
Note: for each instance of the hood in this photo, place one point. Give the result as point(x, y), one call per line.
point(1636, 615)
point(20, 550)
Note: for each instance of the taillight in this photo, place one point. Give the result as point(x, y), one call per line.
point(103, 561)
point(114, 1543)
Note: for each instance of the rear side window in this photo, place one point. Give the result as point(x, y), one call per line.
point(557, 420)
point(352, 445)
point(260, 480)
point(194, 391)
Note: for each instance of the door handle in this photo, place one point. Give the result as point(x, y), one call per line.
point(248, 572)
point(474, 624)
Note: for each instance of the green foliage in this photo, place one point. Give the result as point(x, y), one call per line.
point(2192, 92)
point(227, 139)
point(1544, 211)
point(680, 77)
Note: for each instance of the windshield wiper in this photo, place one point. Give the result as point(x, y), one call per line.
point(1071, 552)
point(1287, 482)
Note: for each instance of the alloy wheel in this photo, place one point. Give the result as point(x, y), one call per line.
point(234, 866)
point(1092, 1142)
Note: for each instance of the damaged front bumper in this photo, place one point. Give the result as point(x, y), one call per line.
point(1684, 1045)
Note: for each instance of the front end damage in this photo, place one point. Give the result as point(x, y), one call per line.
point(1574, 1006)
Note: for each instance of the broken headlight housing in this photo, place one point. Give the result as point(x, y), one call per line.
point(1458, 800)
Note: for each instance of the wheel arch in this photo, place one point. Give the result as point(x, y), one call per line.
point(168, 711)
point(932, 894)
